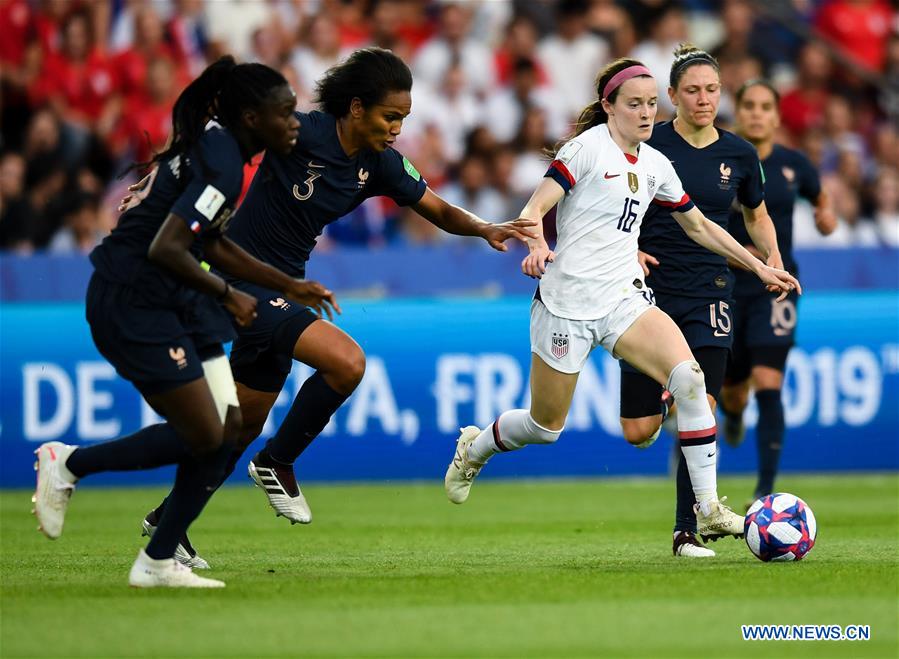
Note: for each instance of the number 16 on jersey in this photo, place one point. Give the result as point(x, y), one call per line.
point(628, 215)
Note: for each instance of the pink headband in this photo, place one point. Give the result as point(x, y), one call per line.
point(623, 76)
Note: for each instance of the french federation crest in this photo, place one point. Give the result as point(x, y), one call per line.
point(633, 182)
point(560, 345)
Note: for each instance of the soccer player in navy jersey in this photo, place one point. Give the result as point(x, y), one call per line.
point(343, 156)
point(154, 312)
point(764, 330)
point(692, 284)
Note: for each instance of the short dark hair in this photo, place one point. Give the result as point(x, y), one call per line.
point(368, 74)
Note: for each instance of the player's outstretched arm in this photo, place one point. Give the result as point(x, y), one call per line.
point(228, 256)
point(547, 195)
point(708, 234)
point(760, 228)
point(460, 222)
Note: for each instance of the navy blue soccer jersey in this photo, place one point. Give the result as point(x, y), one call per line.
point(292, 198)
point(788, 175)
point(204, 197)
point(713, 177)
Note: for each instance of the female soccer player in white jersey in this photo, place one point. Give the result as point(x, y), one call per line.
point(592, 291)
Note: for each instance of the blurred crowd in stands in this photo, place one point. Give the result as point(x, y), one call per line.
point(88, 86)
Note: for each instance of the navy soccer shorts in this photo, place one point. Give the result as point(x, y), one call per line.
point(156, 349)
point(707, 325)
point(262, 355)
point(764, 332)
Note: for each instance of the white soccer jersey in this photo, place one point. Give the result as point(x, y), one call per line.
point(598, 222)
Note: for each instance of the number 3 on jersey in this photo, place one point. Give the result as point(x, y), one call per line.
point(310, 188)
point(628, 215)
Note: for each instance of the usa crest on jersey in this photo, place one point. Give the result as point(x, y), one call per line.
point(559, 345)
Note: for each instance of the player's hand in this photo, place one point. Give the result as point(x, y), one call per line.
point(137, 192)
point(241, 306)
point(534, 264)
point(775, 261)
point(779, 280)
point(645, 260)
point(315, 296)
point(497, 234)
point(825, 220)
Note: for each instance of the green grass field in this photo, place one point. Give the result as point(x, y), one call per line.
point(538, 568)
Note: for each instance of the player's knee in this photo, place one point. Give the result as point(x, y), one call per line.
point(734, 399)
point(637, 431)
point(686, 381)
point(347, 372)
point(206, 441)
point(542, 433)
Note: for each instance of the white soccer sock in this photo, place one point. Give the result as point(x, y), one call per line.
point(695, 428)
point(511, 431)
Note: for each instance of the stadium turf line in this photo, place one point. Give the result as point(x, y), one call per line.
point(538, 568)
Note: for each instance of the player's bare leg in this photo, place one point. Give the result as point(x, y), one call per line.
point(654, 345)
point(551, 394)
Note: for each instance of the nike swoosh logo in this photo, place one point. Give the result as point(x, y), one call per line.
point(717, 333)
point(711, 455)
point(312, 164)
point(607, 175)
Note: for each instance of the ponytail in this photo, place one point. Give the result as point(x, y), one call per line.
point(222, 92)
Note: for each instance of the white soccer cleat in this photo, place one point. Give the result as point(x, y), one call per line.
point(182, 552)
point(461, 471)
point(715, 520)
point(166, 573)
point(685, 544)
point(280, 486)
point(51, 497)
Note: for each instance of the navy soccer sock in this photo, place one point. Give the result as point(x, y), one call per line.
point(233, 459)
point(313, 407)
point(769, 435)
point(195, 482)
point(684, 517)
point(148, 448)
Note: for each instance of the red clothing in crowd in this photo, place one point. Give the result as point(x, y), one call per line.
point(504, 64)
point(16, 28)
point(144, 120)
point(84, 86)
point(131, 68)
point(861, 29)
point(801, 109)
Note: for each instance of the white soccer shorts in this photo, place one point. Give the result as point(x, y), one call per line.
point(565, 344)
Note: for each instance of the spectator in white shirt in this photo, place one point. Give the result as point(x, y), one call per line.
point(572, 55)
point(453, 45)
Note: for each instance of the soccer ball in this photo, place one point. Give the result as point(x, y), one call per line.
point(780, 527)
